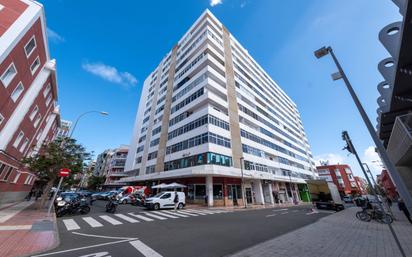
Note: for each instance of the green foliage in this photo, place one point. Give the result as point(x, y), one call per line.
point(95, 182)
point(61, 153)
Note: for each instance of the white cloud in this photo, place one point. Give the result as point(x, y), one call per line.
point(372, 159)
point(215, 2)
point(53, 36)
point(331, 158)
point(110, 73)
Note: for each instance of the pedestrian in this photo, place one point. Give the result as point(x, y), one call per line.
point(176, 200)
point(402, 207)
point(30, 194)
point(38, 194)
point(389, 201)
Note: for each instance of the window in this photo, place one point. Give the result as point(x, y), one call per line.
point(39, 135)
point(3, 168)
point(35, 65)
point(16, 178)
point(200, 191)
point(37, 121)
point(28, 180)
point(47, 90)
point(217, 192)
point(8, 172)
point(17, 92)
point(34, 112)
point(24, 145)
point(165, 196)
point(48, 100)
point(30, 46)
point(1, 118)
point(18, 139)
point(8, 75)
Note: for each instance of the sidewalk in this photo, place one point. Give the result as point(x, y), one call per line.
point(24, 230)
point(249, 207)
point(340, 235)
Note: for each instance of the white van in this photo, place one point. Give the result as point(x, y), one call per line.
point(165, 200)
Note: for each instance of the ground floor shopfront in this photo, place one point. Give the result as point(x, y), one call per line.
point(228, 191)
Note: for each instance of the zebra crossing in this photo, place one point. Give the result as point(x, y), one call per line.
point(130, 218)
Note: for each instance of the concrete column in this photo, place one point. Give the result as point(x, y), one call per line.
point(272, 200)
point(287, 194)
point(209, 191)
point(259, 192)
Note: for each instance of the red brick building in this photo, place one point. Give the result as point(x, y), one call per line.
point(29, 116)
point(385, 181)
point(341, 175)
point(362, 185)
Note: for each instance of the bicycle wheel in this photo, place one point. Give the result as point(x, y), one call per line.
point(363, 216)
point(386, 219)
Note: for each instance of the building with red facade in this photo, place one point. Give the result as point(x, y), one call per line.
point(386, 183)
point(341, 175)
point(29, 116)
point(362, 185)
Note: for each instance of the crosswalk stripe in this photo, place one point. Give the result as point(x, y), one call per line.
point(176, 214)
point(201, 211)
point(154, 216)
point(122, 216)
point(192, 211)
point(71, 224)
point(187, 213)
point(140, 217)
point(166, 215)
point(92, 222)
point(110, 220)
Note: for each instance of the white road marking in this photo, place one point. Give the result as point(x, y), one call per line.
point(122, 216)
point(16, 227)
point(192, 211)
point(310, 213)
point(110, 220)
point(144, 249)
point(154, 216)
point(188, 213)
point(166, 215)
point(270, 215)
point(280, 210)
point(81, 248)
point(176, 214)
point(284, 213)
point(71, 224)
point(140, 217)
point(107, 237)
point(200, 211)
point(92, 222)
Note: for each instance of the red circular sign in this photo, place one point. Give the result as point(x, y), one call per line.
point(64, 172)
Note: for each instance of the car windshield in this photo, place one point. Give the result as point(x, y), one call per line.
point(159, 195)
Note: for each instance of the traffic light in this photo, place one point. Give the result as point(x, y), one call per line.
point(349, 146)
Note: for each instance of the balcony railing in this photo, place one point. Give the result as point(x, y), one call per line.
point(400, 142)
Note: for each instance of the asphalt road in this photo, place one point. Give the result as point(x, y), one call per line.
point(134, 231)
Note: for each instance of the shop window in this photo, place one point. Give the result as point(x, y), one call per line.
point(217, 192)
point(200, 191)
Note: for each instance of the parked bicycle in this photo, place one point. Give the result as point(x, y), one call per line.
point(367, 214)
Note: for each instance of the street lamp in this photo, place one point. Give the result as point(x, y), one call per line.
point(243, 184)
point(403, 191)
point(81, 115)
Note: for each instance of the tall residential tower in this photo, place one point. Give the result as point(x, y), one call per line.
point(209, 111)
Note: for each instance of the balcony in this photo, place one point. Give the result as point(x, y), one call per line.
point(400, 142)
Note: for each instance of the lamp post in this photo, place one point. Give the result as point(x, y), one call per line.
point(81, 115)
point(242, 181)
point(403, 191)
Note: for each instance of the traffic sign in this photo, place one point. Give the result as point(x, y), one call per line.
point(64, 172)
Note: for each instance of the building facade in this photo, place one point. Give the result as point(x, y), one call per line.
point(341, 175)
point(208, 114)
point(29, 116)
point(116, 162)
point(362, 185)
point(64, 129)
point(386, 183)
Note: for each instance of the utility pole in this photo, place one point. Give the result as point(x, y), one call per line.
point(349, 146)
point(400, 185)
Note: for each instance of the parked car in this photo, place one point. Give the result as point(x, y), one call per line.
point(86, 193)
point(164, 200)
point(347, 199)
point(134, 199)
point(107, 195)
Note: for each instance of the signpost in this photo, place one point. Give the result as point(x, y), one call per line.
point(64, 172)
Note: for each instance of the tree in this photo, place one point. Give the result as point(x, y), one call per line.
point(61, 153)
point(95, 182)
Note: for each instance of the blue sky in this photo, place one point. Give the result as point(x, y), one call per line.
point(105, 51)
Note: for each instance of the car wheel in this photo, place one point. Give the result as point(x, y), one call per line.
point(156, 206)
point(180, 206)
point(124, 202)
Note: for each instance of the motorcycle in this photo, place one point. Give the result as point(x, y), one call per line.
point(111, 205)
point(137, 200)
point(72, 207)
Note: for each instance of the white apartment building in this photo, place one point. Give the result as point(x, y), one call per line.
point(209, 112)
